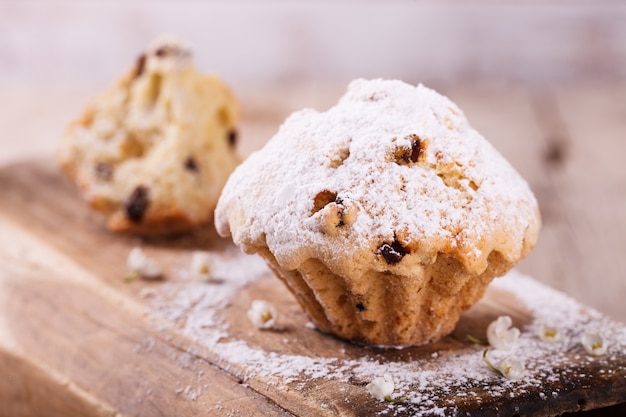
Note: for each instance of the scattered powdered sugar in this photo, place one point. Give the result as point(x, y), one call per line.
point(432, 384)
point(194, 305)
point(287, 368)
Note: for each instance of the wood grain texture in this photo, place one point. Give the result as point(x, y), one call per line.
point(73, 330)
point(65, 336)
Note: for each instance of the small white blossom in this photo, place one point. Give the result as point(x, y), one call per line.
point(500, 333)
point(262, 314)
point(381, 387)
point(594, 343)
point(201, 266)
point(145, 267)
point(548, 333)
point(511, 368)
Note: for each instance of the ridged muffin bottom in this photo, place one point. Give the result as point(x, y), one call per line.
point(385, 309)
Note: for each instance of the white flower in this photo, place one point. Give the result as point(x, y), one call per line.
point(511, 368)
point(201, 266)
point(381, 387)
point(139, 263)
point(501, 335)
point(262, 314)
point(594, 343)
point(548, 334)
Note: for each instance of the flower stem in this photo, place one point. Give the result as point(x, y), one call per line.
point(131, 277)
point(477, 341)
point(395, 400)
point(489, 364)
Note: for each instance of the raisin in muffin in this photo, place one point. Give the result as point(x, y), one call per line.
point(387, 216)
point(154, 151)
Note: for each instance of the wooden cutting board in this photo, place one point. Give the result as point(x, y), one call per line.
point(78, 338)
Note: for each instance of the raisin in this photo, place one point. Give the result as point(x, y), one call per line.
point(416, 148)
point(360, 307)
point(339, 202)
point(410, 155)
point(171, 50)
point(322, 199)
point(140, 66)
point(104, 171)
point(162, 51)
point(137, 203)
point(232, 138)
point(192, 165)
point(393, 253)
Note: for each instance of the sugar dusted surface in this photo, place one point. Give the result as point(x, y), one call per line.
point(433, 378)
point(462, 197)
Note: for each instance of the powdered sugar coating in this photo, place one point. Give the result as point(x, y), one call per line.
point(460, 198)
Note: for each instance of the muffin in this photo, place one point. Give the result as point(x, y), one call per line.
point(154, 151)
point(386, 216)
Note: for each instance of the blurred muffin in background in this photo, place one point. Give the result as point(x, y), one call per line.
point(154, 151)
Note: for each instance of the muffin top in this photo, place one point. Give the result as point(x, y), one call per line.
point(389, 178)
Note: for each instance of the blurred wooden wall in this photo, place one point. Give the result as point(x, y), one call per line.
point(263, 42)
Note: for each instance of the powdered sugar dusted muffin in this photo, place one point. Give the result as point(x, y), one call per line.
point(154, 152)
point(386, 216)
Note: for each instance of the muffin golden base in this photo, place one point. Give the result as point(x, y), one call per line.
point(388, 310)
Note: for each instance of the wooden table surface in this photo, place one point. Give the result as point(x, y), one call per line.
point(567, 142)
